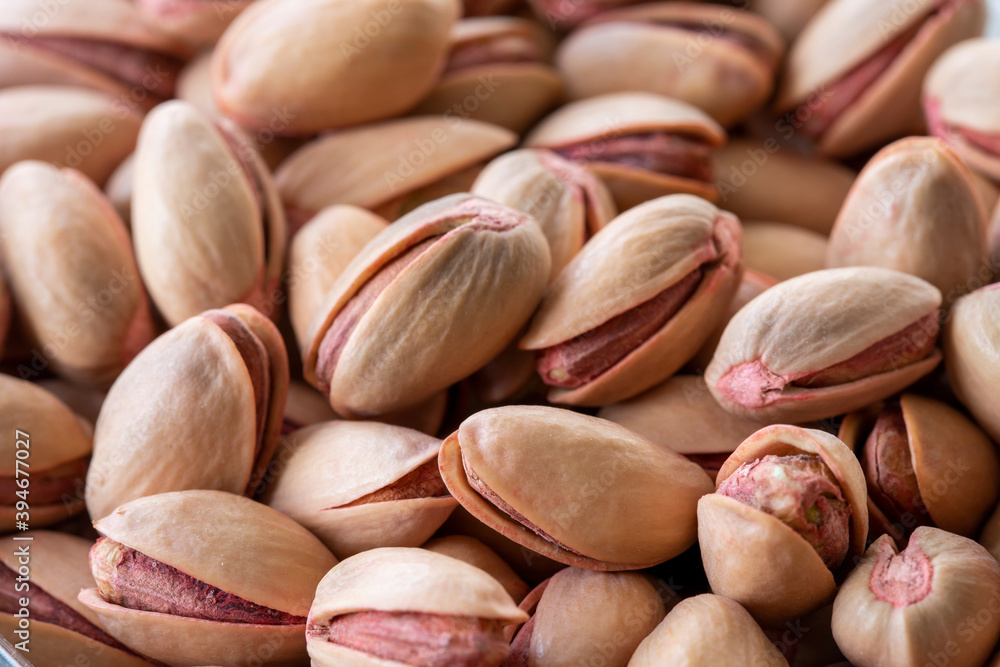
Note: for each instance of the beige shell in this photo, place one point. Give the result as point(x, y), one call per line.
point(167, 416)
point(86, 402)
point(203, 237)
point(304, 407)
point(69, 262)
point(621, 503)
point(915, 209)
point(390, 64)
point(778, 575)
point(194, 23)
point(203, 534)
point(681, 50)
point(781, 250)
point(788, 16)
point(707, 630)
point(810, 323)
point(335, 463)
point(472, 551)
point(561, 15)
point(752, 285)
point(401, 579)
point(971, 342)
point(118, 189)
point(82, 129)
point(956, 616)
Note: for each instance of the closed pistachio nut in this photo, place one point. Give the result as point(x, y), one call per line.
point(971, 344)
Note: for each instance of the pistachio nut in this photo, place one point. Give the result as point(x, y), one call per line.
point(200, 187)
point(71, 271)
point(362, 485)
point(760, 180)
point(789, 17)
point(219, 377)
point(707, 630)
point(681, 415)
point(390, 168)
point(304, 407)
point(182, 580)
point(399, 606)
point(428, 301)
point(83, 129)
point(196, 23)
point(498, 72)
point(342, 77)
point(563, 14)
point(649, 47)
point(53, 470)
point(318, 254)
point(63, 631)
point(896, 608)
point(568, 202)
point(856, 71)
point(85, 401)
point(971, 342)
point(788, 510)
point(637, 302)
point(752, 284)
point(925, 464)
point(118, 189)
point(99, 44)
point(641, 145)
point(501, 463)
point(581, 614)
point(915, 209)
point(960, 102)
point(781, 250)
point(801, 351)
point(472, 551)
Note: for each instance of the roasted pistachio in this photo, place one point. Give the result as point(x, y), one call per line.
point(971, 344)
point(781, 250)
point(562, 14)
point(472, 551)
point(788, 16)
point(752, 284)
point(198, 23)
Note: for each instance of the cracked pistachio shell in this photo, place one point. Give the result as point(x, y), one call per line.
point(650, 47)
point(813, 322)
point(196, 23)
point(318, 254)
point(782, 251)
point(339, 77)
point(845, 36)
point(960, 101)
point(231, 543)
point(452, 309)
point(956, 465)
point(621, 502)
point(472, 551)
point(707, 630)
point(753, 557)
point(208, 224)
point(186, 414)
point(71, 271)
point(59, 436)
point(333, 465)
point(661, 242)
point(59, 567)
point(84, 129)
point(399, 579)
point(568, 202)
point(789, 17)
point(511, 93)
point(972, 355)
point(387, 163)
point(609, 117)
point(914, 208)
point(938, 603)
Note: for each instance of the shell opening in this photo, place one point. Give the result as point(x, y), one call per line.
point(901, 579)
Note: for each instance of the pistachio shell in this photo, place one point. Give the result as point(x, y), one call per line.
point(391, 71)
point(305, 406)
point(559, 14)
point(603, 522)
point(752, 284)
point(472, 551)
point(782, 251)
point(788, 16)
point(707, 630)
point(71, 270)
point(816, 321)
point(118, 189)
point(200, 23)
point(970, 347)
point(84, 401)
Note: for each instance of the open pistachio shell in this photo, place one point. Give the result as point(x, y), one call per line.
point(390, 71)
point(752, 284)
point(781, 250)
point(678, 247)
point(197, 23)
point(778, 575)
point(472, 551)
point(826, 343)
point(932, 599)
point(362, 485)
point(418, 320)
point(204, 536)
point(856, 71)
point(707, 630)
point(971, 343)
point(671, 140)
point(719, 59)
point(915, 209)
point(56, 443)
point(385, 164)
point(72, 273)
point(199, 408)
point(408, 583)
point(500, 465)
